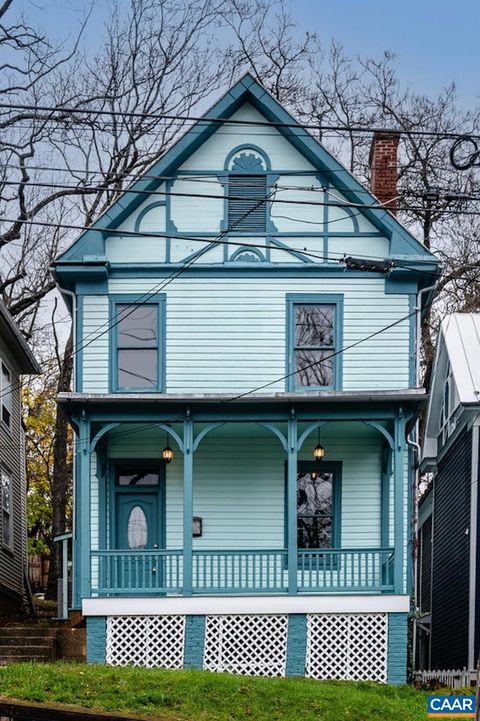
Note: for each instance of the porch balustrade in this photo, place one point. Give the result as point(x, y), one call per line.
point(127, 572)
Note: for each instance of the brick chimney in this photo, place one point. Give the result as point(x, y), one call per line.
point(383, 168)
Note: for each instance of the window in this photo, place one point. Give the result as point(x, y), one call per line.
point(245, 212)
point(139, 331)
point(314, 342)
point(138, 476)
point(6, 394)
point(446, 425)
point(7, 530)
point(315, 509)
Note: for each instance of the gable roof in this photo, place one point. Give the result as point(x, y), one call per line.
point(10, 333)
point(247, 89)
point(460, 333)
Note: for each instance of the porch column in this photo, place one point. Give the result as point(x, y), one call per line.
point(292, 505)
point(399, 504)
point(187, 505)
point(83, 531)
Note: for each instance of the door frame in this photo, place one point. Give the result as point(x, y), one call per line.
point(137, 490)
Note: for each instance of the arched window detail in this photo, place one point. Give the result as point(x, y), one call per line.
point(247, 183)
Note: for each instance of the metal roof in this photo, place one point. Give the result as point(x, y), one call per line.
point(461, 334)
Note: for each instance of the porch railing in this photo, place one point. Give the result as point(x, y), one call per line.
point(339, 571)
point(128, 572)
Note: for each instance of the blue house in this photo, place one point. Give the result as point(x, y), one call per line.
point(245, 323)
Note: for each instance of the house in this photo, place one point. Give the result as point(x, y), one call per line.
point(223, 347)
point(16, 359)
point(448, 596)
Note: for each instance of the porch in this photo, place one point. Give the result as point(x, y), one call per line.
point(241, 478)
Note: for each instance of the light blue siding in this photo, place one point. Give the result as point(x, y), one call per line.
point(229, 336)
point(239, 483)
point(94, 344)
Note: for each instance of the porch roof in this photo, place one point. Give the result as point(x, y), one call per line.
point(407, 395)
point(276, 406)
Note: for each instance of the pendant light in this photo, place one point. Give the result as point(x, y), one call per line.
point(167, 453)
point(319, 450)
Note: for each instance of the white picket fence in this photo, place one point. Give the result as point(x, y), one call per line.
point(459, 678)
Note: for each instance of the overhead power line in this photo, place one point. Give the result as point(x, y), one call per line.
point(222, 121)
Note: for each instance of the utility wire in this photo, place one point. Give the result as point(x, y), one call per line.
point(198, 119)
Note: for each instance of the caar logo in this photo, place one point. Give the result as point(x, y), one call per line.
point(451, 706)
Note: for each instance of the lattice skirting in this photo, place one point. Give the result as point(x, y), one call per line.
point(251, 645)
point(347, 646)
point(146, 641)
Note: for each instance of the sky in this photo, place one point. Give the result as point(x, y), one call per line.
point(436, 41)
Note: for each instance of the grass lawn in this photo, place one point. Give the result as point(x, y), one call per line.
point(203, 696)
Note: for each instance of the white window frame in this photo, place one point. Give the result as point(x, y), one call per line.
point(446, 409)
point(4, 475)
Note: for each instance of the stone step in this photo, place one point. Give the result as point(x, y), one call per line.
point(26, 651)
point(19, 631)
point(7, 660)
point(42, 641)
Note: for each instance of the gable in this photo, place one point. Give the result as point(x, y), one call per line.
point(296, 162)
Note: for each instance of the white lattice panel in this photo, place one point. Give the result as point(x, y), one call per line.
point(251, 645)
point(146, 641)
point(347, 646)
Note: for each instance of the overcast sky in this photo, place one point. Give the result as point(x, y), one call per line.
point(436, 41)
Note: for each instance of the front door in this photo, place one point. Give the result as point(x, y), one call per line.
point(138, 526)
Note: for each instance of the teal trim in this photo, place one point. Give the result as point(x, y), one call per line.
point(204, 432)
point(76, 546)
point(296, 644)
point(147, 209)
point(247, 254)
point(383, 431)
point(325, 222)
point(295, 253)
point(138, 491)
point(84, 531)
point(187, 506)
point(398, 504)
point(194, 642)
point(385, 496)
point(100, 433)
point(248, 146)
point(247, 89)
point(158, 299)
point(397, 648)
point(78, 349)
point(96, 639)
point(291, 496)
point(102, 473)
point(294, 299)
point(307, 432)
point(412, 368)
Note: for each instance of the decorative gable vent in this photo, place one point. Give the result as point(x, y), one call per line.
point(245, 212)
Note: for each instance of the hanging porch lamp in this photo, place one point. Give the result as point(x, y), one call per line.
point(319, 450)
point(167, 453)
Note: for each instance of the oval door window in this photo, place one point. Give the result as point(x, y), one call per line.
point(137, 528)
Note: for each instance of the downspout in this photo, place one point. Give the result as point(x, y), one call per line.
point(473, 545)
point(416, 449)
point(418, 315)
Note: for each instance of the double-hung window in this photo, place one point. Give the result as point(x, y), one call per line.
point(7, 526)
point(138, 347)
point(6, 394)
point(314, 342)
